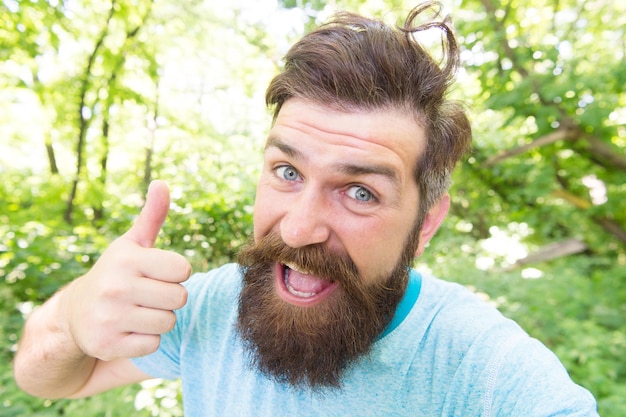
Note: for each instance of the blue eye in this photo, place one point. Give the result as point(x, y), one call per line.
point(360, 193)
point(287, 172)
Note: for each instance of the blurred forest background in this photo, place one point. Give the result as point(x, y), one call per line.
point(99, 97)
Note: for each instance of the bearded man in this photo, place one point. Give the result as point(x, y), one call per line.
point(322, 314)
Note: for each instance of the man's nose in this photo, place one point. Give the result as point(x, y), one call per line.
point(306, 220)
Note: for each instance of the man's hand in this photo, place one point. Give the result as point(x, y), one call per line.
point(125, 302)
point(118, 309)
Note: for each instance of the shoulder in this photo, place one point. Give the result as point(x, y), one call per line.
point(224, 280)
point(511, 373)
point(214, 293)
point(450, 327)
point(466, 323)
point(455, 307)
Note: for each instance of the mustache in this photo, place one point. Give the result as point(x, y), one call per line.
point(316, 259)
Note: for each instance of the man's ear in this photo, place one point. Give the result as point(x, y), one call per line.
point(432, 221)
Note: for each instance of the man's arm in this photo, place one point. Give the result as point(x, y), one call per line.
point(68, 372)
point(77, 343)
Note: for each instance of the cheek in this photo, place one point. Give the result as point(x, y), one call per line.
point(375, 249)
point(260, 216)
point(266, 212)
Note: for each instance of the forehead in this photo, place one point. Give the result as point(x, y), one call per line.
point(389, 134)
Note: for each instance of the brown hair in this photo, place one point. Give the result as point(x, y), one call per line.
point(353, 62)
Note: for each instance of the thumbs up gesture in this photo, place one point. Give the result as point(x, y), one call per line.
point(125, 302)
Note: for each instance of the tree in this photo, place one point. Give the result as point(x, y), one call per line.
point(562, 113)
point(98, 98)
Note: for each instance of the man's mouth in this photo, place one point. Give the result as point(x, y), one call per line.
point(298, 286)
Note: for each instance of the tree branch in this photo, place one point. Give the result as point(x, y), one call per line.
point(554, 251)
point(606, 152)
point(608, 224)
point(557, 135)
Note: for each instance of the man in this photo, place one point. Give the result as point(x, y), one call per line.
point(323, 314)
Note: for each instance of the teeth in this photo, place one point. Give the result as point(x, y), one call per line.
point(295, 268)
point(300, 294)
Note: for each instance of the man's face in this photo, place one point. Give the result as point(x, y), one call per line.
point(341, 179)
point(335, 229)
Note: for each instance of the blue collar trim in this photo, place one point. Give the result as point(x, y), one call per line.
point(406, 304)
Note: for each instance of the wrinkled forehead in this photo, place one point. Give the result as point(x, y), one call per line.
point(394, 127)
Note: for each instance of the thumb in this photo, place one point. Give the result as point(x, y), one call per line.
point(147, 226)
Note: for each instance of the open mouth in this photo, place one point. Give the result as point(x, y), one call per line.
point(298, 286)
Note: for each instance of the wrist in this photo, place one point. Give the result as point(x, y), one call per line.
point(58, 319)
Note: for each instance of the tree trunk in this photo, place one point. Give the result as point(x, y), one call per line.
point(98, 209)
point(83, 122)
point(147, 169)
point(52, 160)
point(152, 128)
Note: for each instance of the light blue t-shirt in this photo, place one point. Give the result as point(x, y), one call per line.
point(451, 354)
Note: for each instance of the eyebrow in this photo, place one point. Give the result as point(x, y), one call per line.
point(274, 142)
point(345, 168)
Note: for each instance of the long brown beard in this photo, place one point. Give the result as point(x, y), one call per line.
point(312, 346)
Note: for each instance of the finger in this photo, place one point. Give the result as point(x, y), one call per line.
point(148, 321)
point(134, 345)
point(164, 265)
point(159, 295)
point(147, 226)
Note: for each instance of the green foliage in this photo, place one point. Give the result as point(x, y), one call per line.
point(175, 91)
